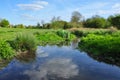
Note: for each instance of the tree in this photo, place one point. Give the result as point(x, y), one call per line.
point(96, 22)
point(43, 23)
point(60, 25)
point(76, 17)
point(4, 23)
point(19, 26)
point(115, 20)
point(55, 19)
point(38, 25)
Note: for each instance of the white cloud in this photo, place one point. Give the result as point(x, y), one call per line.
point(60, 67)
point(41, 3)
point(29, 17)
point(113, 9)
point(117, 5)
point(36, 5)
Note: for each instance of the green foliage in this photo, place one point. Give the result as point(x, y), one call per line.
point(19, 26)
point(4, 23)
point(60, 25)
point(48, 37)
point(63, 33)
point(24, 42)
point(96, 22)
point(38, 25)
point(101, 44)
point(76, 17)
point(81, 33)
point(76, 25)
point(76, 20)
point(6, 52)
point(115, 20)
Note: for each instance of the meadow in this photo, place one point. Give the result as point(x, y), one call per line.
point(16, 40)
point(101, 44)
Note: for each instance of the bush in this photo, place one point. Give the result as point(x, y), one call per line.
point(115, 20)
point(99, 44)
point(6, 52)
point(63, 34)
point(24, 42)
point(102, 47)
point(96, 22)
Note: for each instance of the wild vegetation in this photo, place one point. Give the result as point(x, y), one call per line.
point(77, 21)
point(6, 52)
point(99, 36)
point(102, 47)
point(26, 40)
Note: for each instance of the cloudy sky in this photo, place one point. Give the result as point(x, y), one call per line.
point(33, 11)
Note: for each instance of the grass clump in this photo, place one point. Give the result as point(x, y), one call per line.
point(48, 37)
point(24, 42)
point(6, 52)
point(65, 34)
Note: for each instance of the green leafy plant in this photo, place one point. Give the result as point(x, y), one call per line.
point(63, 34)
point(6, 52)
point(101, 44)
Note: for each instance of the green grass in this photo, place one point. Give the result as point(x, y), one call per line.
point(102, 47)
point(22, 40)
point(10, 33)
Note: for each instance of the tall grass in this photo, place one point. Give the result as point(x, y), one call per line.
point(24, 42)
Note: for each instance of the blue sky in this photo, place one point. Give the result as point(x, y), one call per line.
point(33, 11)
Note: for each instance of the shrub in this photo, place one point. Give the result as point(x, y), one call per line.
point(6, 52)
point(99, 44)
point(96, 22)
point(24, 42)
point(63, 34)
point(102, 47)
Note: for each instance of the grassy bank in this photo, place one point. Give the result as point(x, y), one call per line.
point(80, 32)
point(26, 40)
point(102, 47)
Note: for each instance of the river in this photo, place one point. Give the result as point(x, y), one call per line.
point(53, 62)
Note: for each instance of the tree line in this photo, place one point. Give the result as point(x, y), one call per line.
point(77, 21)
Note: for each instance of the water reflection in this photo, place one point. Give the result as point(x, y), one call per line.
point(112, 60)
point(59, 67)
point(58, 63)
point(3, 64)
point(40, 53)
point(26, 57)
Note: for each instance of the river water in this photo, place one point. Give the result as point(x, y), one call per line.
point(52, 62)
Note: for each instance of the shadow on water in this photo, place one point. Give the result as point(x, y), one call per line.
point(108, 58)
point(3, 64)
point(58, 62)
point(26, 57)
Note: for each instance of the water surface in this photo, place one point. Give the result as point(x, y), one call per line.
point(58, 63)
